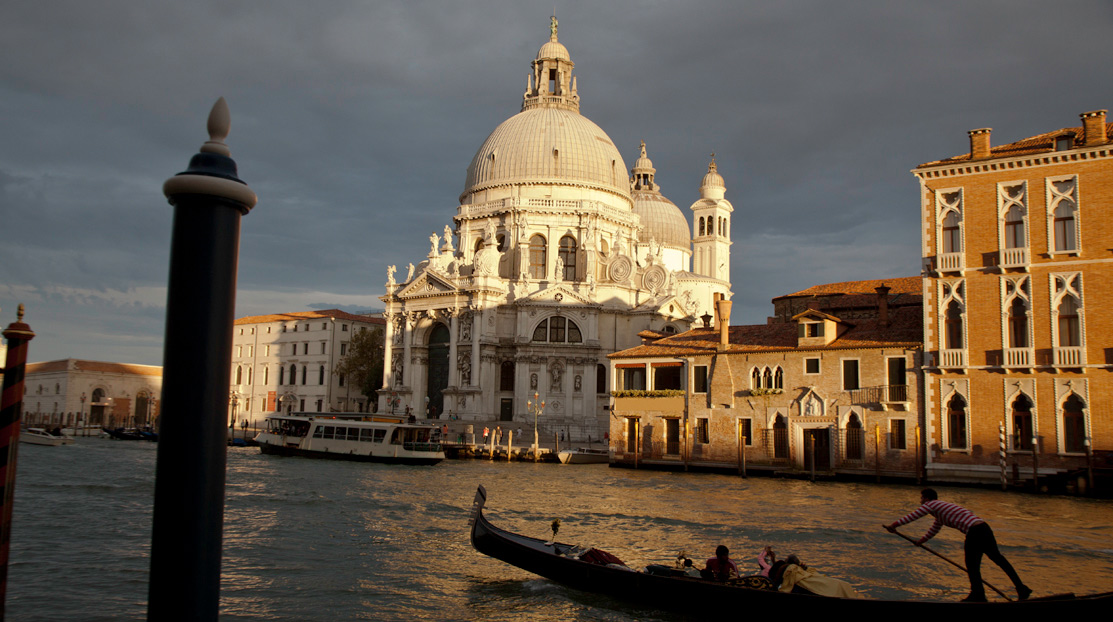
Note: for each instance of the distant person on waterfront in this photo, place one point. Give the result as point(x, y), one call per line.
point(979, 540)
point(486, 433)
point(721, 567)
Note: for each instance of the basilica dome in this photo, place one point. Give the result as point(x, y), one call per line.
point(549, 142)
point(548, 146)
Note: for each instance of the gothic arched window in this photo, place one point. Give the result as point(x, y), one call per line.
point(956, 423)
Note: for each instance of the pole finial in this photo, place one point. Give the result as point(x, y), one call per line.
point(19, 313)
point(220, 122)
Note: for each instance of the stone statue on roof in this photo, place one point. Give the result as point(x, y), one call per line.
point(553, 23)
point(390, 270)
point(410, 274)
point(448, 239)
point(434, 239)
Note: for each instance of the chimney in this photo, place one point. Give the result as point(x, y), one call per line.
point(979, 143)
point(883, 305)
point(722, 320)
point(1093, 126)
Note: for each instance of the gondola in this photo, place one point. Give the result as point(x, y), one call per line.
point(657, 587)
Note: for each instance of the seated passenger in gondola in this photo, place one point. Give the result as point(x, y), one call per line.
point(765, 560)
point(794, 576)
point(720, 567)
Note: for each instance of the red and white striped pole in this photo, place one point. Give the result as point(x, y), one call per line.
point(11, 407)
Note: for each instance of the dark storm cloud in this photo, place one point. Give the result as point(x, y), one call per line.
point(354, 123)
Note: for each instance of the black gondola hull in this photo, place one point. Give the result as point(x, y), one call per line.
point(711, 598)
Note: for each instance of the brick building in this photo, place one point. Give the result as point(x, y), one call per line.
point(287, 360)
point(841, 392)
point(1018, 268)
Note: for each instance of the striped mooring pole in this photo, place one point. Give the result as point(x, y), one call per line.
point(11, 407)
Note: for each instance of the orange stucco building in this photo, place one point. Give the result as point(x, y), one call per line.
point(1018, 272)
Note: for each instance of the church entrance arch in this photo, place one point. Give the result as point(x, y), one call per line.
point(437, 381)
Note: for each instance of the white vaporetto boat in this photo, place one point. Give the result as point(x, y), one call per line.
point(363, 437)
point(583, 455)
point(39, 436)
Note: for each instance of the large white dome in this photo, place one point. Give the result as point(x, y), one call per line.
point(548, 146)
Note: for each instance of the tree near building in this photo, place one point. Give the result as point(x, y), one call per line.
point(362, 367)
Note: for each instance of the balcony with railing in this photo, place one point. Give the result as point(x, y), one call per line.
point(1013, 258)
point(1073, 356)
point(892, 396)
point(952, 262)
point(952, 358)
point(1018, 358)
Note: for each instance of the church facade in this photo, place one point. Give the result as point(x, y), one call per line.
point(557, 256)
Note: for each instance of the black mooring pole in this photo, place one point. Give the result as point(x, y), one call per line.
point(208, 201)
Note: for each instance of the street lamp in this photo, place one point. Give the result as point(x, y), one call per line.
point(536, 408)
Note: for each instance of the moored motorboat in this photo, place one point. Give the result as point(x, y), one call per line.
point(362, 437)
point(584, 455)
point(39, 436)
point(661, 587)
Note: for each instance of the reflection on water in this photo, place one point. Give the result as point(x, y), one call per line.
point(313, 540)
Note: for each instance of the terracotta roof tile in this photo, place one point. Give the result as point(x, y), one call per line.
point(899, 285)
point(1040, 143)
point(905, 329)
point(94, 366)
point(309, 315)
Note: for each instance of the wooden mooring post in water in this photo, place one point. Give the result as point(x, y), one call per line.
point(187, 530)
point(11, 407)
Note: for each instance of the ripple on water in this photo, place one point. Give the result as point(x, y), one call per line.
point(308, 539)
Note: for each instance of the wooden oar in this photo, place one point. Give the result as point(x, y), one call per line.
point(946, 559)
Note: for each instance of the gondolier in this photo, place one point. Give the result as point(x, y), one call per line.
point(979, 540)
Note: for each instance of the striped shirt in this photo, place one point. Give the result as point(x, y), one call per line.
point(946, 514)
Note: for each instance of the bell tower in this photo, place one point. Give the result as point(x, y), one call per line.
point(711, 227)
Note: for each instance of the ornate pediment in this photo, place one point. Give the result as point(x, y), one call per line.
point(557, 296)
point(428, 283)
point(674, 307)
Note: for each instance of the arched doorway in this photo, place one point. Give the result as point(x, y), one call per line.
point(855, 438)
point(96, 408)
point(142, 408)
point(438, 368)
point(780, 438)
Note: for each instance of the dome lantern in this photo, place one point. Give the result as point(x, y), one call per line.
point(552, 85)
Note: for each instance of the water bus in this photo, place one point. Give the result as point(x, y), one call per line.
point(364, 437)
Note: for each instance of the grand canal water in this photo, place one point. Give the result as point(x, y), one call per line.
point(322, 540)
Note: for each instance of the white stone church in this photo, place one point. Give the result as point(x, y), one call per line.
point(562, 259)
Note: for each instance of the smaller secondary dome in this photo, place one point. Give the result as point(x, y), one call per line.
point(713, 178)
point(661, 219)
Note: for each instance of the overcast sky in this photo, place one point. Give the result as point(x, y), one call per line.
point(354, 122)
